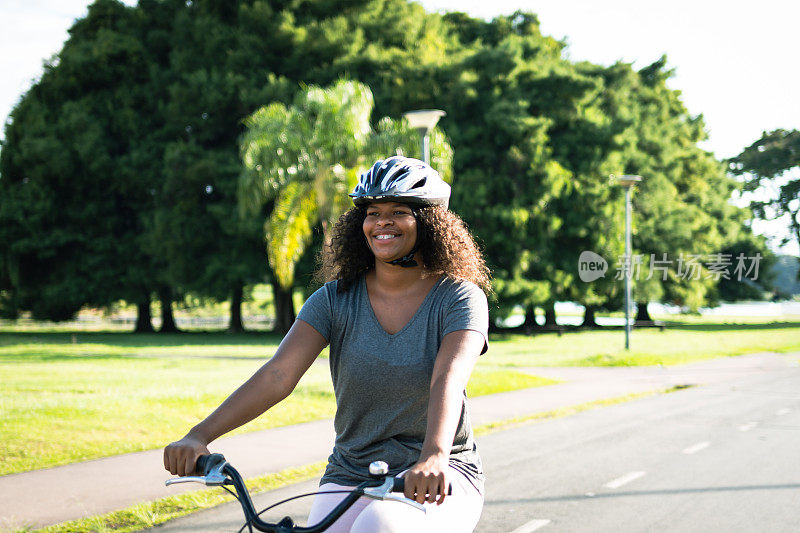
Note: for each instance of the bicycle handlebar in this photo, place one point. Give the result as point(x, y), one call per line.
point(206, 462)
point(215, 470)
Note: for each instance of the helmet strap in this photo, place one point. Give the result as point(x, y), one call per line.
point(407, 261)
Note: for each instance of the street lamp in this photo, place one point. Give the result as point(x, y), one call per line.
point(628, 182)
point(424, 121)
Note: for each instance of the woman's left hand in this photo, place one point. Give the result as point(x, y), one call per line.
point(426, 481)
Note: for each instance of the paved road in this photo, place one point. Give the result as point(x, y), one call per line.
point(720, 457)
point(716, 457)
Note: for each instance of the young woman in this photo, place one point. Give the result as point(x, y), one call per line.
point(405, 316)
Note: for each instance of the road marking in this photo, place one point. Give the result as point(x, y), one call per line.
point(747, 427)
point(624, 480)
point(784, 411)
point(533, 525)
point(696, 447)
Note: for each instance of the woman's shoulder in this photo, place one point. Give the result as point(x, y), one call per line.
point(339, 290)
point(457, 284)
point(458, 289)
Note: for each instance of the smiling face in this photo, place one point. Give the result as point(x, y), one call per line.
point(390, 229)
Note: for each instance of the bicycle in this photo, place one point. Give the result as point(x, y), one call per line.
point(217, 472)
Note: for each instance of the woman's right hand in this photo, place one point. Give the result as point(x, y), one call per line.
point(180, 456)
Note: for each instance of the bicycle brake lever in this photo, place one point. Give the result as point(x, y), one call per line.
point(384, 492)
point(403, 499)
point(380, 492)
point(185, 479)
point(214, 478)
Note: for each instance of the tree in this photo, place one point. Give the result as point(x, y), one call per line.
point(750, 275)
point(682, 207)
point(686, 206)
point(771, 163)
point(129, 140)
point(500, 88)
point(210, 249)
point(307, 157)
point(70, 212)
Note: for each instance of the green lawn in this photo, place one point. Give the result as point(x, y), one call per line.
point(59, 410)
point(679, 344)
point(68, 397)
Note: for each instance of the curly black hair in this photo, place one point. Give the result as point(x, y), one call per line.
point(446, 246)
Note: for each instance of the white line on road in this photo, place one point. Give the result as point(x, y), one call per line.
point(747, 427)
point(533, 525)
point(696, 447)
point(624, 480)
point(784, 411)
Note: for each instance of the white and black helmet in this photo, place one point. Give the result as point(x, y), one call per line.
point(402, 179)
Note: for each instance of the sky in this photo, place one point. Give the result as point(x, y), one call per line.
point(735, 62)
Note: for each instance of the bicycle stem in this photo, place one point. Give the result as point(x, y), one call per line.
point(287, 524)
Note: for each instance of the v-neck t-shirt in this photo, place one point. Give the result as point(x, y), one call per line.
point(382, 380)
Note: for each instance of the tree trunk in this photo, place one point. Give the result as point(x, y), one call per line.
point(641, 312)
point(236, 325)
point(550, 314)
point(588, 317)
point(167, 318)
point(144, 323)
point(530, 319)
point(284, 309)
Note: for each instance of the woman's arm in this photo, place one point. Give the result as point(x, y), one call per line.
point(454, 362)
point(269, 385)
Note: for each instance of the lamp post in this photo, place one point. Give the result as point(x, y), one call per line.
point(628, 182)
point(424, 121)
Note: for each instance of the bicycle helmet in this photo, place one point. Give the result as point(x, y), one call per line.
point(404, 180)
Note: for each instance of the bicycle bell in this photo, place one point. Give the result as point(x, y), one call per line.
point(378, 468)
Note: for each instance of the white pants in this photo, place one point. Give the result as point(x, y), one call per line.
point(458, 514)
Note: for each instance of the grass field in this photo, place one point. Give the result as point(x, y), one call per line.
point(681, 343)
point(72, 396)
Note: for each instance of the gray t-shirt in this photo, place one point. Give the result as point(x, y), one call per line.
point(382, 381)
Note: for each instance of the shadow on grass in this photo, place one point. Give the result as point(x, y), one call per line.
point(682, 326)
point(141, 340)
point(508, 334)
point(54, 357)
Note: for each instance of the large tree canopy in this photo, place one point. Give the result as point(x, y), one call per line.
point(140, 116)
point(682, 207)
point(121, 165)
point(74, 186)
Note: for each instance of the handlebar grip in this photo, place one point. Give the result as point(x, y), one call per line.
point(206, 462)
point(400, 485)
